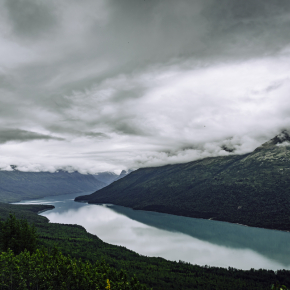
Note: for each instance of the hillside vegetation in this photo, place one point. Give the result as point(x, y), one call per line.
point(114, 262)
point(24, 266)
point(251, 189)
point(17, 185)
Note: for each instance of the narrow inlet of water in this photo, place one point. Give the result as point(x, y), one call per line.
point(196, 241)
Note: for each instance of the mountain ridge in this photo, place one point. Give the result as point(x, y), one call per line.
point(18, 185)
point(251, 189)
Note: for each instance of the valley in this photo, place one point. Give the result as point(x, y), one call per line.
point(154, 272)
point(174, 237)
point(174, 212)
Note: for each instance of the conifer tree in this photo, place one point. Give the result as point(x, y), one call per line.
point(17, 235)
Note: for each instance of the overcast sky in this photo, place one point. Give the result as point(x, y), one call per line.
point(97, 85)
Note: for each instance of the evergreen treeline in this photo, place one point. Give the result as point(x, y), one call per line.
point(23, 266)
point(251, 189)
point(54, 271)
point(156, 273)
point(17, 235)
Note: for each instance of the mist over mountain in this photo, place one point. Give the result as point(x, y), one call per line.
point(106, 177)
point(124, 173)
point(109, 177)
point(251, 189)
point(17, 185)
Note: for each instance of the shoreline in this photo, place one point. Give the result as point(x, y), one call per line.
point(44, 210)
point(18, 201)
point(210, 219)
point(153, 216)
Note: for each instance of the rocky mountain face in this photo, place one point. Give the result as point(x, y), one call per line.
point(282, 139)
point(251, 189)
point(17, 185)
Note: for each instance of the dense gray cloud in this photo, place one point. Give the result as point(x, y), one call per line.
point(30, 18)
point(16, 135)
point(109, 85)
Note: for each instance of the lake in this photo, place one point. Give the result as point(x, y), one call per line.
point(198, 241)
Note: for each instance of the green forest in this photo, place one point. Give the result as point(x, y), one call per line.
point(73, 251)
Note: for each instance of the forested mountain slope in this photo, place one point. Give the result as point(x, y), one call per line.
point(251, 189)
point(17, 185)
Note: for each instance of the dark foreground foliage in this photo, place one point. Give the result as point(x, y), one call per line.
point(17, 235)
point(54, 271)
point(156, 273)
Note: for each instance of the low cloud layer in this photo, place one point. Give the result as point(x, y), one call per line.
point(110, 85)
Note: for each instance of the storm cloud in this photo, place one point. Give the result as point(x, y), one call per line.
point(16, 135)
point(100, 85)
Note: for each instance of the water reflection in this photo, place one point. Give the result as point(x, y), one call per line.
point(273, 244)
point(196, 241)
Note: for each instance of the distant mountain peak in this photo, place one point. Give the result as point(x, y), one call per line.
point(106, 177)
point(124, 173)
point(228, 148)
point(282, 137)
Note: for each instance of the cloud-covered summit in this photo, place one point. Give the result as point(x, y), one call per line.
point(109, 85)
